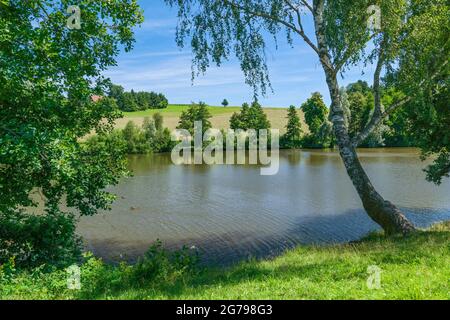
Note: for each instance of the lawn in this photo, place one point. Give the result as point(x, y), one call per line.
point(416, 267)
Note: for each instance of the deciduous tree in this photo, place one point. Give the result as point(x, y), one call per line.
point(341, 32)
point(196, 112)
point(48, 75)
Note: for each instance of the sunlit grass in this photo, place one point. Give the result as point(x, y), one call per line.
point(416, 267)
point(175, 110)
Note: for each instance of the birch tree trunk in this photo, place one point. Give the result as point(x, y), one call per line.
point(383, 212)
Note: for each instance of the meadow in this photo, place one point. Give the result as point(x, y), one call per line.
point(220, 116)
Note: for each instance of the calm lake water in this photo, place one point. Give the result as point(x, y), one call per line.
point(232, 212)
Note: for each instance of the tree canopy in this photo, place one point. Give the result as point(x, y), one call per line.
point(316, 113)
point(48, 76)
point(250, 117)
point(134, 101)
point(293, 128)
point(196, 112)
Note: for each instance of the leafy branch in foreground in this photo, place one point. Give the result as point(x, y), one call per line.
point(48, 76)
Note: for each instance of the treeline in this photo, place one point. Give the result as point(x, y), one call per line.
point(134, 139)
point(137, 101)
point(357, 102)
point(251, 116)
point(358, 105)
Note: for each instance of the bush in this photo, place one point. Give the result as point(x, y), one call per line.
point(161, 265)
point(34, 240)
point(136, 140)
point(158, 268)
point(151, 137)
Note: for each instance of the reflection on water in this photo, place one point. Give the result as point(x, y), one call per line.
point(232, 212)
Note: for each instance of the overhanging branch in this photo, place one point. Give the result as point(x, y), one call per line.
point(300, 31)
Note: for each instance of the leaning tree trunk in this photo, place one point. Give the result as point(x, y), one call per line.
point(388, 216)
point(383, 212)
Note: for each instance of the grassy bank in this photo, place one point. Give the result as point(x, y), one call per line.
point(416, 267)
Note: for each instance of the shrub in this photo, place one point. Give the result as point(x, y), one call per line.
point(135, 139)
point(32, 240)
point(161, 265)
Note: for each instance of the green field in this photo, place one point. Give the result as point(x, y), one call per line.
point(176, 109)
point(220, 116)
point(416, 267)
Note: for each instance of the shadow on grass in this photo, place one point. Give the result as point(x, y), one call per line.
point(318, 265)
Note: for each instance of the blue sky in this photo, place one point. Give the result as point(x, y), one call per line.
point(157, 64)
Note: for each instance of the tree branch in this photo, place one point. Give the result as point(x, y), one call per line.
point(307, 5)
point(265, 15)
point(301, 31)
point(377, 114)
point(261, 15)
point(347, 54)
point(377, 119)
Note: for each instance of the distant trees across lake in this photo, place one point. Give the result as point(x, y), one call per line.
point(137, 101)
point(152, 136)
point(358, 107)
point(357, 104)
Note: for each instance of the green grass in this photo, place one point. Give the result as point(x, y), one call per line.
point(175, 110)
point(416, 267)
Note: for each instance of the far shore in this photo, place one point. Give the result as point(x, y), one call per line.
point(220, 117)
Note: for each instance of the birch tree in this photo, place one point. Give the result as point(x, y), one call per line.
point(217, 29)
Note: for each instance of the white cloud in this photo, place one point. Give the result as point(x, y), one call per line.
point(152, 24)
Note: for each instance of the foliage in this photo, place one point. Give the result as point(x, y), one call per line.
point(225, 103)
point(135, 139)
point(160, 138)
point(250, 117)
point(136, 101)
point(196, 112)
point(151, 137)
point(48, 76)
point(159, 267)
point(291, 138)
point(158, 121)
point(33, 240)
point(315, 111)
point(361, 106)
point(316, 114)
point(415, 267)
point(430, 123)
point(398, 122)
point(424, 56)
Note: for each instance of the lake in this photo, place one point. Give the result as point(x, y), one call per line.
point(231, 212)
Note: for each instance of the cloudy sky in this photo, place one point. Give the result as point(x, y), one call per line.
point(157, 64)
